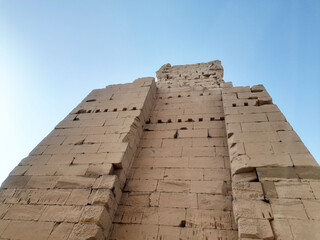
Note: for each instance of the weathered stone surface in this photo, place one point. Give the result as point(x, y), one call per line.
point(254, 229)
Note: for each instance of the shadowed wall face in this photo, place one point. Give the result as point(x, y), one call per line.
point(188, 157)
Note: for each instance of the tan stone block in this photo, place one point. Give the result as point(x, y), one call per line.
point(310, 173)
point(258, 148)
point(198, 133)
point(244, 208)
point(104, 197)
point(244, 177)
point(215, 202)
point(304, 229)
point(288, 208)
point(141, 185)
point(86, 231)
point(72, 170)
point(24, 212)
point(159, 134)
point(294, 190)
point(129, 232)
point(135, 199)
point(155, 143)
point(275, 116)
point(179, 142)
point(35, 160)
point(206, 162)
point(85, 148)
point(171, 216)
point(173, 186)
point(113, 147)
point(61, 231)
point(58, 149)
point(28, 230)
point(255, 137)
point(303, 159)
point(216, 132)
point(74, 140)
point(96, 170)
point(209, 142)
point(52, 140)
point(316, 189)
point(312, 208)
point(179, 200)
point(198, 218)
point(183, 174)
point(175, 162)
point(269, 189)
point(289, 147)
point(97, 215)
point(72, 182)
point(234, 127)
point(61, 214)
point(254, 229)
point(257, 127)
point(79, 197)
point(281, 229)
point(58, 159)
point(154, 199)
point(247, 190)
point(147, 173)
point(213, 187)
point(288, 136)
point(38, 150)
point(216, 174)
point(160, 152)
point(246, 163)
point(198, 152)
point(259, 117)
point(277, 173)
point(3, 225)
point(3, 209)
point(19, 170)
point(96, 158)
point(42, 170)
point(42, 182)
point(15, 182)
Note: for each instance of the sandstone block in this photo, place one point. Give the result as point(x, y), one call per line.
point(214, 202)
point(243, 208)
point(27, 230)
point(254, 229)
point(72, 182)
point(247, 190)
point(86, 231)
point(213, 187)
point(183, 174)
point(304, 229)
point(61, 214)
point(24, 212)
point(288, 208)
point(179, 200)
point(312, 208)
point(294, 190)
point(61, 231)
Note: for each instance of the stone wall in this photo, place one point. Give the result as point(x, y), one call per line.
point(70, 185)
point(188, 157)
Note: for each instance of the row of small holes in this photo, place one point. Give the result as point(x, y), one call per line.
point(189, 120)
point(244, 104)
point(179, 96)
point(106, 110)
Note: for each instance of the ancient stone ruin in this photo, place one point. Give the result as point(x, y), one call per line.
point(186, 157)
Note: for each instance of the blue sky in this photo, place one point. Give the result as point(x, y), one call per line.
point(53, 53)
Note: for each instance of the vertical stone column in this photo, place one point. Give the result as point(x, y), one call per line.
point(70, 185)
point(275, 180)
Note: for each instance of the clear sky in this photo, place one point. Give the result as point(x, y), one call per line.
point(53, 53)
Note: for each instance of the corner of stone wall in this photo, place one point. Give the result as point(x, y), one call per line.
point(267, 160)
point(70, 185)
